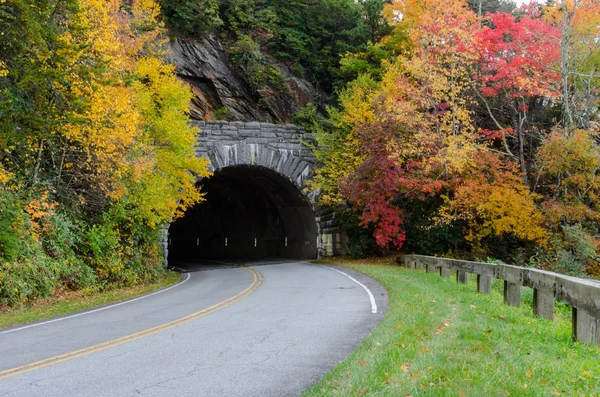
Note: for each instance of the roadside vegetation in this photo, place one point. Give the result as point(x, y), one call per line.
point(96, 153)
point(460, 128)
point(67, 302)
point(441, 338)
point(470, 130)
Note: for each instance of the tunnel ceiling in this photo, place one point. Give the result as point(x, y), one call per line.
point(249, 212)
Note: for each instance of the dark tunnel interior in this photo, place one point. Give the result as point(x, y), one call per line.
point(249, 212)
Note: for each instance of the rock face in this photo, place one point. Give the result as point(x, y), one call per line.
point(218, 84)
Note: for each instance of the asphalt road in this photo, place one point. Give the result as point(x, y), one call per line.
point(272, 329)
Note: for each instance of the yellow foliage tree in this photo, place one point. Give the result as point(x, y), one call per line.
point(133, 132)
point(494, 202)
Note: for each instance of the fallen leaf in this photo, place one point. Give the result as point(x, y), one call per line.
point(363, 392)
point(528, 374)
point(362, 362)
point(405, 367)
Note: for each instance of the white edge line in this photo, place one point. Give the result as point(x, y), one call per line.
point(371, 297)
point(96, 310)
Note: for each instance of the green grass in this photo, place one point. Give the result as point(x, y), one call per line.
point(71, 302)
point(440, 338)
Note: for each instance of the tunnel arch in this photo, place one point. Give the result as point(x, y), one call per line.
point(249, 211)
point(282, 149)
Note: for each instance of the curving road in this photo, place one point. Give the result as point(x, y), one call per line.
point(270, 329)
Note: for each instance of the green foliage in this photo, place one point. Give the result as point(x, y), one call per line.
point(427, 237)
point(361, 243)
point(367, 62)
point(570, 251)
point(221, 114)
point(11, 215)
point(40, 276)
point(258, 70)
point(192, 18)
point(309, 36)
point(310, 118)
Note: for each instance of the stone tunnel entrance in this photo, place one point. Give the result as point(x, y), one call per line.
point(248, 212)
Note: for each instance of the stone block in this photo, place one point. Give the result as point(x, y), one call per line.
point(462, 277)
point(248, 133)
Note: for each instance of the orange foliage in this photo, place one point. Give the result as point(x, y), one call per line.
point(494, 201)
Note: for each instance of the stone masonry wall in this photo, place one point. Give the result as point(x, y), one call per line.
point(280, 148)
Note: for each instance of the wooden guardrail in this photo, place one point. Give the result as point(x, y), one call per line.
point(582, 295)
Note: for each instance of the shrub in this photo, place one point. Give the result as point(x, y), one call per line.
point(310, 118)
point(192, 17)
point(570, 251)
point(11, 215)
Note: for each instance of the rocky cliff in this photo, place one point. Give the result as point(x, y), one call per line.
point(218, 84)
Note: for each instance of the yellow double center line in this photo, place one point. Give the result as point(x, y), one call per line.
point(258, 279)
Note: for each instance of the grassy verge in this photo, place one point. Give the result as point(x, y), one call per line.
point(74, 301)
point(440, 338)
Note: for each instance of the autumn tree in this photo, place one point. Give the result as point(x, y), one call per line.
point(495, 204)
point(97, 153)
point(423, 135)
point(518, 65)
point(579, 25)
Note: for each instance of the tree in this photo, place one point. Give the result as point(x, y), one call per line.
point(579, 25)
point(193, 18)
point(517, 56)
point(494, 202)
point(423, 136)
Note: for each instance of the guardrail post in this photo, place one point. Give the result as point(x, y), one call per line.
point(445, 272)
point(402, 261)
point(586, 328)
point(462, 277)
point(512, 293)
point(430, 268)
point(418, 265)
point(484, 284)
point(543, 303)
